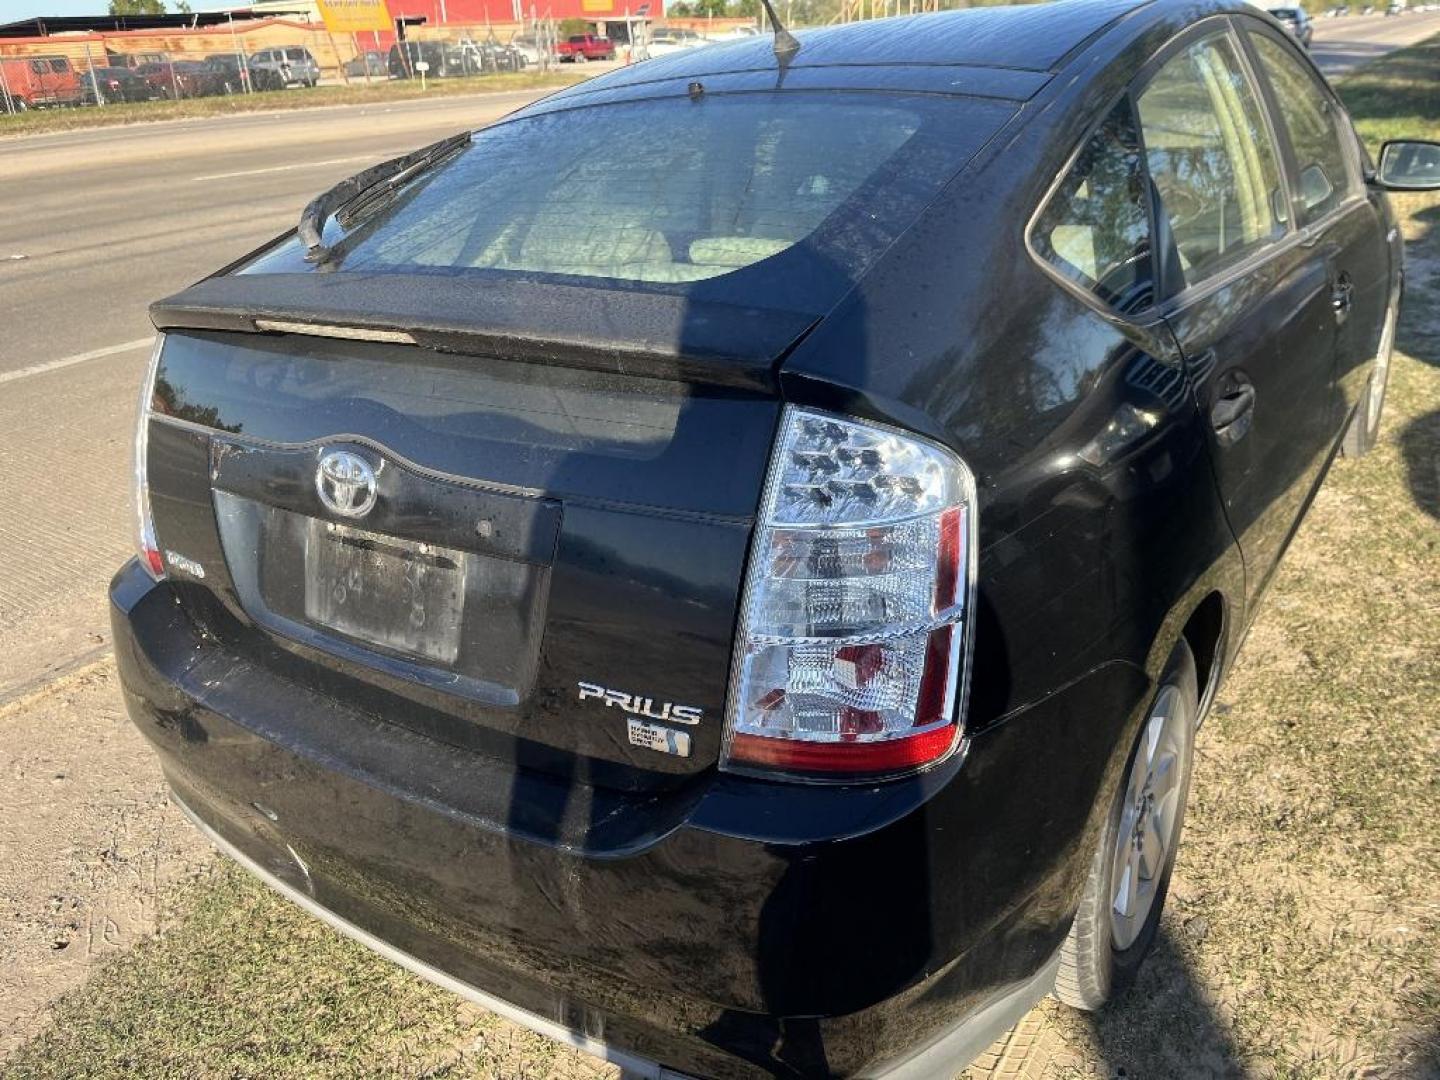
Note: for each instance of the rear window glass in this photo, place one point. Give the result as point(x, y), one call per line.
point(672, 192)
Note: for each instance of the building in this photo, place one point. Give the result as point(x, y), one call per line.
point(95, 41)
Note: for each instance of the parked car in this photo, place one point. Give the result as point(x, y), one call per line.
point(665, 40)
point(295, 66)
point(529, 47)
point(445, 59)
point(230, 78)
point(38, 82)
point(178, 79)
point(371, 63)
point(496, 57)
point(135, 60)
point(763, 631)
point(739, 33)
point(578, 48)
point(1295, 20)
point(116, 85)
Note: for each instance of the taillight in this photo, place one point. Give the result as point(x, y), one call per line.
point(146, 546)
point(851, 656)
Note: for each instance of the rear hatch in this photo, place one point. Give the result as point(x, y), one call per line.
point(486, 465)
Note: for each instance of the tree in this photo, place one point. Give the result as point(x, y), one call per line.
point(183, 7)
point(137, 7)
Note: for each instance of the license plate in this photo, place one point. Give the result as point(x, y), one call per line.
point(384, 590)
point(655, 737)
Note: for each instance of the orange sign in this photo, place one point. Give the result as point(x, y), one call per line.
point(350, 16)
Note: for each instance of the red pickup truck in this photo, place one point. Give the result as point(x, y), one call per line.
point(581, 47)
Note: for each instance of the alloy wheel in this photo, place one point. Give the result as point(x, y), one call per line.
point(1150, 817)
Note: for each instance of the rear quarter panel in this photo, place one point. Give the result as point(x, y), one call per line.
point(1089, 565)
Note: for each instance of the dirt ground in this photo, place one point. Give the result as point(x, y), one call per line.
point(92, 846)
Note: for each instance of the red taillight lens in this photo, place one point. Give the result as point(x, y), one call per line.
point(850, 660)
point(147, 547)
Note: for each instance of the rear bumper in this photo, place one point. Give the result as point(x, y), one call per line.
point(755, 930)
point(958, 1046)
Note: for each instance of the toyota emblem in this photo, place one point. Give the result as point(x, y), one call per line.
point(346, 483)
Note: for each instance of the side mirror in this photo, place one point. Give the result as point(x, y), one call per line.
point(1409, 165)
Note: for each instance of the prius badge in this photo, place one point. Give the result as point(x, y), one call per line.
point(346, 483)
point(637, 705)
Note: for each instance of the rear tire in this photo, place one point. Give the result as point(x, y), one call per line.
point(1364, 429)
point(1120, 908)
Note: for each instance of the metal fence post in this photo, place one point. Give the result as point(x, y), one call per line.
point(240, 56)
point(94, 82)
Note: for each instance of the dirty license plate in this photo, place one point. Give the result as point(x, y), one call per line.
point(385, 590)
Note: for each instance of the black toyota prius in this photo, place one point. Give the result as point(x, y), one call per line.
point(724, 566)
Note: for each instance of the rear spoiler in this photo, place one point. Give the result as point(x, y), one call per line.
point(623, 331)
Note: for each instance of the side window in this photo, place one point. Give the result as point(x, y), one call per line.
point(1095, 229)
point(1314, 126)
point(1211, 158)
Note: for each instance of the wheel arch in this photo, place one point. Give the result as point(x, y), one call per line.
point(1205, 632)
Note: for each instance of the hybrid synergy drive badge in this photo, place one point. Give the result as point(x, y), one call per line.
point(637, 708)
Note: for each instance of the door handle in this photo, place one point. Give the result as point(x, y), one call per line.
point(1342, 296)
point(1231, 414)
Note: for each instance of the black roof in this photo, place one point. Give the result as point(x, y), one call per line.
point(1027, 37)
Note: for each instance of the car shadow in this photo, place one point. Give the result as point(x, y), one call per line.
point(1418, 334)
point(1166, 1024)
point(1420, 450)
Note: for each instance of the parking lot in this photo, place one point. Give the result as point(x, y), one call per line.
point(98, 223)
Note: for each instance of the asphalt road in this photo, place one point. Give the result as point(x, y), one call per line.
point(1341, 44)
point(94, 225)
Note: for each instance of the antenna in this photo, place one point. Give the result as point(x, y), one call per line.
point(786, 45)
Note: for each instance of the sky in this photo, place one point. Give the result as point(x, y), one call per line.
point(11, 10)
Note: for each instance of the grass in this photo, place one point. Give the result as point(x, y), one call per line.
point(1398, 95)
point(40, 121)
point(245, 984)
point(1304, 924)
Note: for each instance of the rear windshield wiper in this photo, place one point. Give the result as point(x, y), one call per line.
point(364, 188)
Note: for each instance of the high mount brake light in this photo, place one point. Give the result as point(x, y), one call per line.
point(855, 628)
point(147, 547)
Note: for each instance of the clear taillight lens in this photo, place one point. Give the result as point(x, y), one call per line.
point(853, 637)
point(146, 546)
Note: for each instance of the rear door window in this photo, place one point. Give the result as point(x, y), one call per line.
point(1095, 230)
point(1211, 158)
point(1313, 123)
